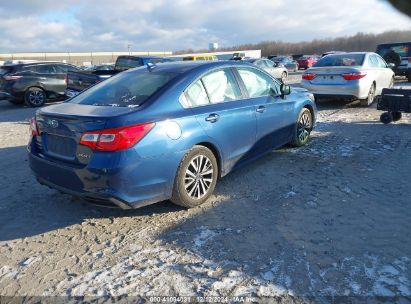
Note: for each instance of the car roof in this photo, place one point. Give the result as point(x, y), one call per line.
point(185, 66)
point(352, 53)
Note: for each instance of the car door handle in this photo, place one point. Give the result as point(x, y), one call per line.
point(212, 118)
point(260, 109)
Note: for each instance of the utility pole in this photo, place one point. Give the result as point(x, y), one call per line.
point(128, 48)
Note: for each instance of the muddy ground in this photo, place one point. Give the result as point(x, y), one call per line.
point(332, 218)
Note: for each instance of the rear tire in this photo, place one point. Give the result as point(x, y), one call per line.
point(370, 98)
point(396, 116)
point(303, 128)
point(386, 117)
point(35, 97)
point(196, 178)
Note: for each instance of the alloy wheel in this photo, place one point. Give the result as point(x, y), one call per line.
point(36, 97)
point(198, 177)
point(304, 127)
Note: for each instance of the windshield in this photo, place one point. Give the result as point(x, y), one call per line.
point(341, 60)
point(127, 89)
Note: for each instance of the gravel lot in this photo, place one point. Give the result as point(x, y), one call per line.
point(329, 219)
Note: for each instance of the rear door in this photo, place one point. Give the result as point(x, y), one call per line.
point(224, 114)
point(51, 79)
point(275, 119)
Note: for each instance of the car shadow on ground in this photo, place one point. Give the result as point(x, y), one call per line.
point(28, 208)
point(326, 219)
point(331, 214)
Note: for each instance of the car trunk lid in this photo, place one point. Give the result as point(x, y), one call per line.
point(330, 75)
point(61, 126)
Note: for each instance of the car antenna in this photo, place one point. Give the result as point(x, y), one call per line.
point(150, 66)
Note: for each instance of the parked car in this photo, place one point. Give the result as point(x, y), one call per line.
point(267, 65)
point(168, 132)
point(78, 81)
point(307, 61)
point(399, 54)
point(200, 57)
point(100, 67)
point(286, 61)
point(34, 83)
point(358, 75)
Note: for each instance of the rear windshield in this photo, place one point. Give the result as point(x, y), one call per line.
point(124, 63)
point(341, 60)
point(402, 49)
point(4, 70)
point(127, 89)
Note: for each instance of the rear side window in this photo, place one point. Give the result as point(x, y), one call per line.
point(257, 83)
point(402, 49)
point(63, 68)
point(196, 95)
point(45, 69)
point(127, 89)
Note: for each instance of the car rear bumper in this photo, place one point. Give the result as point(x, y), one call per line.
point(129, 184)
point(353, 90)
point(6, 96)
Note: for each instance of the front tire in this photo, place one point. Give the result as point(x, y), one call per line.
point(396, 116)
point(196, 178)
point(303, 128)
point(35, 97)
point(370, 98)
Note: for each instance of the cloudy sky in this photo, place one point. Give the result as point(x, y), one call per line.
point(110, 25)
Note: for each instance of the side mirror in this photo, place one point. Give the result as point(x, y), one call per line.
point(390, 65)
point(285, 89)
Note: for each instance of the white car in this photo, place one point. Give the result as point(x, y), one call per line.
point(359, 75)
point(279, 72)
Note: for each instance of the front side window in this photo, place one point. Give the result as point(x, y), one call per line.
point(257, 83)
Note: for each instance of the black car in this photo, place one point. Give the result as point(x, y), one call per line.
point(399, 54)
point(34, 83)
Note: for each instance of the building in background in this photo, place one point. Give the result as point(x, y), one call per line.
point(212, 46)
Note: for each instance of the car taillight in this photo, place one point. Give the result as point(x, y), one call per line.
point(409, 59)
point(115, 139)
point(354, 75)
point(12, 77)
point(309, 76)
point(34, 131)
point(66, 79)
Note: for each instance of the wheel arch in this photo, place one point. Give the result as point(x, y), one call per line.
point(213, 148)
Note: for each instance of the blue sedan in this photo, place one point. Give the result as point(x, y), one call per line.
point(165, 132)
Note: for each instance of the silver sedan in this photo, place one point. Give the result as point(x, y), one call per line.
point(281, 73)
point(360, 75)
